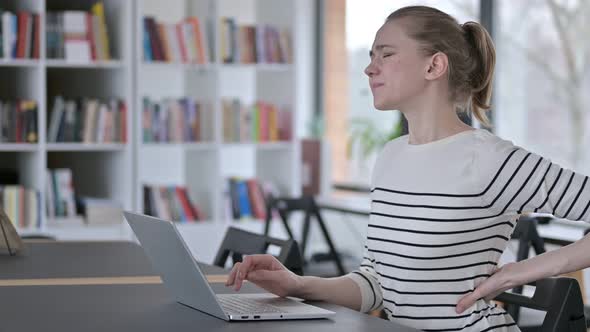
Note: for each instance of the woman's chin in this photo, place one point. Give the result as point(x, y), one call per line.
point(380, 106)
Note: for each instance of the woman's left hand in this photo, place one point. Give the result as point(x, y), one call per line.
point(496, 284)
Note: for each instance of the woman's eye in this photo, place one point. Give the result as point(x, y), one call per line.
point(387, 54)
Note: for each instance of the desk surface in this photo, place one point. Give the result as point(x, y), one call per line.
point(131, 307)
point(147, 308)
point(76, 260)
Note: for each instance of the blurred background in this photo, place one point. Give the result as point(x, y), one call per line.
point(198, 111)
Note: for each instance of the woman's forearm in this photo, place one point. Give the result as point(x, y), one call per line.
point(340, 290)
point(573, 257)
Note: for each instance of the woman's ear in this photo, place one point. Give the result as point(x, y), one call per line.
point(437, 66)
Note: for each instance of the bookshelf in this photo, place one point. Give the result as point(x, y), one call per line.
point(100, 169)
point(119, 170)
point(203, 167)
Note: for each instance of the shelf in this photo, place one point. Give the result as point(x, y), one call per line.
point(110, 232)
point(75, 147)
point(199, 166)
point(30, 63)
point(113, 64)
point(191, 146)
point(274, 145)
point(260, 145)
point(279, 67)
point(18, 147)
point(161, 65)
point(29, 231)
point(276, 67)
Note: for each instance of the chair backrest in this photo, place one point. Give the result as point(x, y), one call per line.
point(238, 242)
point(285, 206)
point(560, 297)
point(528, 237)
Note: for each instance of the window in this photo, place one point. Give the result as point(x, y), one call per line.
point(356, 117)
point(543, 78)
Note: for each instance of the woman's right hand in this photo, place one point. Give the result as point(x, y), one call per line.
point(267, 272)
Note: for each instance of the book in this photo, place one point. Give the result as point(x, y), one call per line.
point(103, 53)
point(18, 121)
point(246, 198)
point(170, 203)
point(100, 211)
point(76, 42)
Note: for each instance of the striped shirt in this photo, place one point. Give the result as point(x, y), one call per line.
point(442, 214)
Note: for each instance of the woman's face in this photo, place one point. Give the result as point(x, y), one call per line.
point(397, 68)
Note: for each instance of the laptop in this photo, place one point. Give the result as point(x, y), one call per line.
point(181, 274)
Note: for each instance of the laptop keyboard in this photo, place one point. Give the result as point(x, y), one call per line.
point(239, 305)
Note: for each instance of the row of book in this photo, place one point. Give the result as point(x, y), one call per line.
point(19, 35)
point(60, 194)
point(261, 43)
point(260, 122)
point(170, 203)
point(187, 41)
point(22, 205)
point(78, 35)
point(176, 120)
point(64, 207)
point(87, 120)
point(246, 198)
point(18, 121)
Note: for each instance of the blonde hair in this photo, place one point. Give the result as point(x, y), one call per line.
point(469, 48)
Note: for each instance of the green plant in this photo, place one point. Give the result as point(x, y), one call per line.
point(369, 136)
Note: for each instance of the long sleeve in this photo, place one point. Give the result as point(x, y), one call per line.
point(526, 182)
point(366, 278)
point(434, 234)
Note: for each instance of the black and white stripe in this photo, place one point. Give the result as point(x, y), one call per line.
point(428, 247)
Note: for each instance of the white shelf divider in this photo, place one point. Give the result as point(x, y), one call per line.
point(112, 64)
point(20, 63)
point(89, 147)
point(19, 147)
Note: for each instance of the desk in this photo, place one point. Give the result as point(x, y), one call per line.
point(50, 259)
point(128, 307)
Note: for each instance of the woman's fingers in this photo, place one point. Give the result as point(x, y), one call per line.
point(231, 278)
point(250, 263)
point(247, 264)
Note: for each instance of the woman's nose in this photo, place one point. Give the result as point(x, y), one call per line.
point(371, 69)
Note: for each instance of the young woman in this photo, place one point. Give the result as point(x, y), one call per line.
point(446, 197)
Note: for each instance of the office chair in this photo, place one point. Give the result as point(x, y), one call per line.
point(561, 298)
point(285, 206)
point(238, 242)
point(528, 237)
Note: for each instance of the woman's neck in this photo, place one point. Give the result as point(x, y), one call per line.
point(430, 124)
